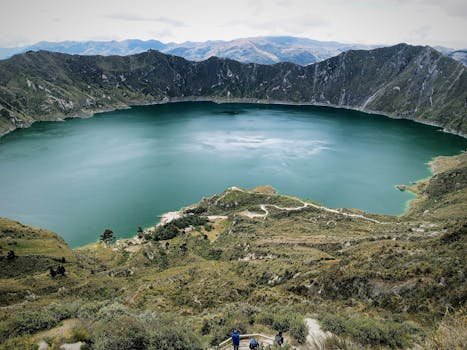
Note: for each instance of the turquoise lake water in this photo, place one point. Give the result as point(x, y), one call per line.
point(122, 169)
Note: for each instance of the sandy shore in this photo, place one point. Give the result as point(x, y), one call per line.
point(170, 216)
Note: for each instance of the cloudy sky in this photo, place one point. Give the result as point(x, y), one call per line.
point(432, 22)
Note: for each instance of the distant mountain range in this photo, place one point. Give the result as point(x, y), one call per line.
point(401, 81)
point(264, 50)
point(459, 55)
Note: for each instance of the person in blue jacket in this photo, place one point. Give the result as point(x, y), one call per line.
point(254, 344)
point(235, 339)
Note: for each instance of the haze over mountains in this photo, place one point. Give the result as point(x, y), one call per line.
point(402, 81)
point(264, 50)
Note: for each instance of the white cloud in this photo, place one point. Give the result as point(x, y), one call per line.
point(124, 16)
point(455, 8)
point(292, 25)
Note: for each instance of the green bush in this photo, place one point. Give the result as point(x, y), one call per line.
point(172, 229)
point(80, 333)
point(167, 231)
point(298, 329)
point(336, 343)
point(28, 322)
point(239, 315)
point(120, 334)
point(284, 320)
point(334, 323)
point(205, 249)
point(118, 328)
point(20, 343)
point(370, 331)
point(90, 309)
point(112, 311)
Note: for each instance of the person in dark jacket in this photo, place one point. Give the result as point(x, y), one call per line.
point(235, 339)
point(279, 339)
point(254, 344)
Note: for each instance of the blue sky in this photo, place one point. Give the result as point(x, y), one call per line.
point(442, 22)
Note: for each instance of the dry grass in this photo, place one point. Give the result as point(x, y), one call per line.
point(441, 164)
point(264, 189)
point(451, 333)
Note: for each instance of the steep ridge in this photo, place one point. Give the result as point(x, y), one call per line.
point(401, 81)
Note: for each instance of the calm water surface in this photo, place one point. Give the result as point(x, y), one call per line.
point(122, 169)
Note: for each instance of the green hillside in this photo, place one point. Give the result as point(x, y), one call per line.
point(255, 260)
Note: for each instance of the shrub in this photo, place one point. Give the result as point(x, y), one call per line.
point(80, 333)
point(298, 329)
point(28, 322)
point(143, 331)
point(451, 333)
point(334, 323)
point(197, 210)
point(336, 343)
point(171, 230)
point(18, 344)
point(238, 315)
point(119, 334)
point(285, 321)
point(90, 309)
point(112, 311)
point(167, 231)
point(370, 331)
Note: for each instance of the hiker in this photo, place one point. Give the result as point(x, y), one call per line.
point(61, 270)
point(279, 339)
point(235, 339)
point(52, 272)
point(254, 344)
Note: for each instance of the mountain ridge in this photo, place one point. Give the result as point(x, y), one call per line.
point(261, 49)
point(264, 49)
point(402, 81)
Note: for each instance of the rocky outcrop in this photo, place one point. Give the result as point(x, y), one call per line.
point(401, 81)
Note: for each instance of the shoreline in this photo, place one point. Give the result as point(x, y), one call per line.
point(224, 100)
point(172, 215)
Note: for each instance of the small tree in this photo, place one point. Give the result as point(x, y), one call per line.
point(140, 232)
point(108, 236)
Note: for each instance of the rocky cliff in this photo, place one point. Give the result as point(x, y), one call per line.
point(401, 81)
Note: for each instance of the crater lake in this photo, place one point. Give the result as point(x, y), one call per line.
point(123, 169)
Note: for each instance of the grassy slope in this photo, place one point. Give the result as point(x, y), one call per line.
point(408, 270)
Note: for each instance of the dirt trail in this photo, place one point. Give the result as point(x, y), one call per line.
point(316, 336)
point(305, 204)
